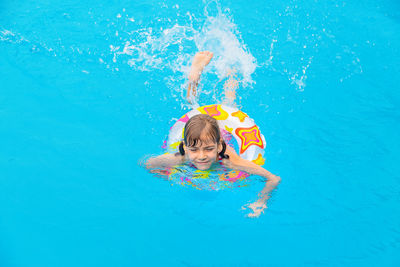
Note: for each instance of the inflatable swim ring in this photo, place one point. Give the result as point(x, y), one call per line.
point(232, 123)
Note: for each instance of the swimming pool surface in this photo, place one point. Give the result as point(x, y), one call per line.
point(89, 88)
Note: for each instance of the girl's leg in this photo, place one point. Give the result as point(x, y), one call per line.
point(230, 86)
point(200, 60)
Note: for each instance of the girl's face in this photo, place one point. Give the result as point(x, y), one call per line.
point(203, 154)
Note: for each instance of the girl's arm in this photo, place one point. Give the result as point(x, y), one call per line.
point(237, 163)
point(165, 160)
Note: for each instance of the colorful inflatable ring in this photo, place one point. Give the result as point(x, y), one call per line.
point(250, 141)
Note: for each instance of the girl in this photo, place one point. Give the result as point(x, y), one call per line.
point(203, 145)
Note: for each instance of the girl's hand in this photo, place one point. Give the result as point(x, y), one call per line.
point(257, 207)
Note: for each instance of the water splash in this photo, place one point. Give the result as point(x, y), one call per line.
point(300, 39)
point(299, 78)
point(173, 47)
point(9, 36)
point(167, 43)
point(219, 34)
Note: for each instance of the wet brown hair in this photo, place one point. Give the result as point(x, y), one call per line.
point(198, 126)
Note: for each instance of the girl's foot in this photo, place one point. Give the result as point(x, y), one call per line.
point(200, 60)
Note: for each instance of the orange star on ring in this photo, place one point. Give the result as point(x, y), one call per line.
point(240, 115)
point(249, 136)
point(214, 111)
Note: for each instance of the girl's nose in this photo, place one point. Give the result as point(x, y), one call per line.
point(202, 154)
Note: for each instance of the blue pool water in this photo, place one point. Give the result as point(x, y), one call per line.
point(89, 88)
